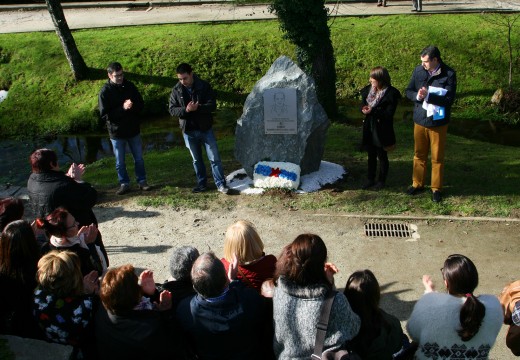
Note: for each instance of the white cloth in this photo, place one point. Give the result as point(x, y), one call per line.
point(434, 323)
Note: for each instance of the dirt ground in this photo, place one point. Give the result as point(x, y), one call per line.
point(145, 237)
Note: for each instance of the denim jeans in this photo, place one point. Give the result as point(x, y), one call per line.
point(194, 141)
point(136, 148)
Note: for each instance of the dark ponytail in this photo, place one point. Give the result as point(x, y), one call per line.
point(462, 278)
point(471, 315)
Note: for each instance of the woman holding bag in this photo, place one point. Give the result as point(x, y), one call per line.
point(379, 102)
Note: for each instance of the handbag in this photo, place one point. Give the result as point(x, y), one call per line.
point(343, 353)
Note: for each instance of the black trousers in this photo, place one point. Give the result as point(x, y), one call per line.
point(374, 153)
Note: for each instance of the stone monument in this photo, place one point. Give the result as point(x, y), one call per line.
point(282, 120)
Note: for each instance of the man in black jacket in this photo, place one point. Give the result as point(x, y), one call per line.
point(119, 106)
point(192, 100)
point(432, 89)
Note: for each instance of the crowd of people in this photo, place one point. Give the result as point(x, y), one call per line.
point(246, 305)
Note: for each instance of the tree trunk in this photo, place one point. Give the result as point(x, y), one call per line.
point(76, 62)
point(304, 23)
point(324, 73)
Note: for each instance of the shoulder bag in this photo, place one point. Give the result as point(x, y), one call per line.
point(339, 354)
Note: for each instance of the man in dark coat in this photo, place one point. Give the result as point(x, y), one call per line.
point(192, 100)
point(119, 106)
point(224, 320)
point(432, 90)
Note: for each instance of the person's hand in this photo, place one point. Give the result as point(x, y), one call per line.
point(267, 289)
point(330, 271)
point(76, 171)
point(147, 283)
point(366, 109)
point(91, 283)
point(90, 233)
point(192, 106)
point(165, 301)
point(127, 105)
point(422, 93)
point(233, 268)
point(427, 281)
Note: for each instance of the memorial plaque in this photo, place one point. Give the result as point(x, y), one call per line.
point(280, 111)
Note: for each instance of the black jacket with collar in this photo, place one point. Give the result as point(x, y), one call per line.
point(381, 116)
point(446, 78)
point(202, 119)
point(121, 123)
point(52, 189)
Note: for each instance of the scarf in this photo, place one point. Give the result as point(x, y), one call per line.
point(375, 96)
point(69, 241)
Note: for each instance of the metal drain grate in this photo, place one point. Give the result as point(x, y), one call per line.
point(390, 230)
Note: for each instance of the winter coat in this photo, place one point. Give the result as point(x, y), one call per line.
point(202, 119)
point(121, 123)
point(381, 118)
point(444, 78)
point(53, 189)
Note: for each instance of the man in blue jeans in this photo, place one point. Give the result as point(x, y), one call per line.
point(193, 101)
point(119, 106)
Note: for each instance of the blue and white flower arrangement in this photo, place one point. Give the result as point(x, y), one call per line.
point(268, 174)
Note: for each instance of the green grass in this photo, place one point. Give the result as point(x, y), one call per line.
point(44, 99)
point(481, 179)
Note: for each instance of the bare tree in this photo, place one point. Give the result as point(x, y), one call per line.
point(506, 21)
point(76, 62)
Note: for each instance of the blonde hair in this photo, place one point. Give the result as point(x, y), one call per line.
point(59, 272)
point(243, 241)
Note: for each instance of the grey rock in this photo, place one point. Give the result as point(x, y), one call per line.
point(304, 148)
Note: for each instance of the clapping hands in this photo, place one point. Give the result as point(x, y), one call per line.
point(148, 287)
point(90, 232)
point(76, 171)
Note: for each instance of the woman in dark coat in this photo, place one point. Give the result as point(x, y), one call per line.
point(379, 101)
point(50, 188)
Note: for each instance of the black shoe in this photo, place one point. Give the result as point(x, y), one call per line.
point(199, 189)
point(368, 185)
point(414, 190)
point(436, 196)
point(379, 185)
point(143, 185)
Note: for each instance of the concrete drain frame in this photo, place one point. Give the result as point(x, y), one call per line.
point(392, 230)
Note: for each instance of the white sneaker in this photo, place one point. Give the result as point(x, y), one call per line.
point(123, 189)
point(223, 189)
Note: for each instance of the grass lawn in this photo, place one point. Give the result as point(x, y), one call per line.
point(481, 179)
point(44, 98)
